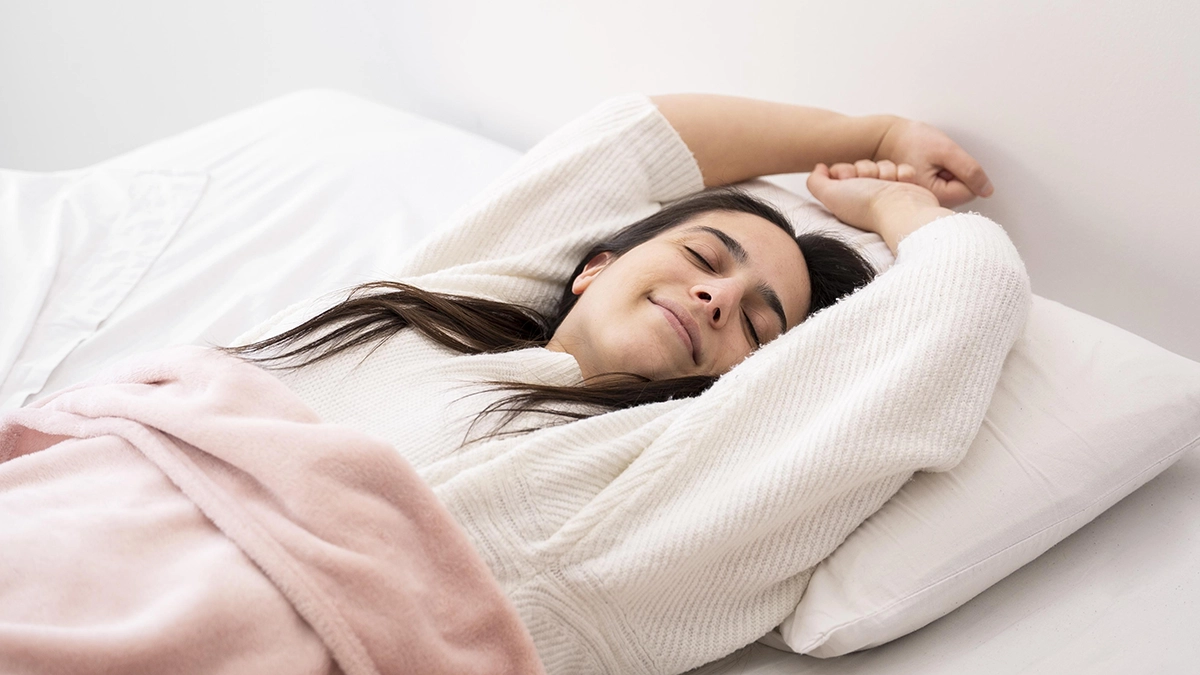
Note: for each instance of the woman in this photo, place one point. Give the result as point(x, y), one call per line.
point(608, 342)
point(688, 417)
point(658, 537)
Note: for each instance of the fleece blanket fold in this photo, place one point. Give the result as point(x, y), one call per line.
point(185, 512)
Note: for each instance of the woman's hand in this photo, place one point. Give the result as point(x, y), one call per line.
point(877, 197)
point(938, 163)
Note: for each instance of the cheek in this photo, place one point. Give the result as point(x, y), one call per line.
point(630, 342)
point(620, 290)
point(635, 343)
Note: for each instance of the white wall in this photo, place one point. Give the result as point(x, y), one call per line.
point(1085, 114)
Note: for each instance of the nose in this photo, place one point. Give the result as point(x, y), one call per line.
point(719, 299)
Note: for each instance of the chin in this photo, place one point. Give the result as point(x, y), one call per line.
point(649, 370)
point(638, 350)
point(656, 371)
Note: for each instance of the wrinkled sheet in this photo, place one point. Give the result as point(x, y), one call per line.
point(196, 238)
point(184, 512)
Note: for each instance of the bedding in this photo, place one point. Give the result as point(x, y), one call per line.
point(194, 239)
point(204, 520)
point(276, 175)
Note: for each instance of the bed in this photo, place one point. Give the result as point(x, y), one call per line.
point(317, 191)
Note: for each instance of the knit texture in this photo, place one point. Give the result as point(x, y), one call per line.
point(658, 538)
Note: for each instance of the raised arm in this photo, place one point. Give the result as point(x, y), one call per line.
point(735, 139)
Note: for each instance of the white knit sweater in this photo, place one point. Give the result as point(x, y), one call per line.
point(658, 538)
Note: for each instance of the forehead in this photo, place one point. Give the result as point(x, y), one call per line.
point(772, 256)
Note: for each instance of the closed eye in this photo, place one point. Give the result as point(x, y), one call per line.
point(753, 333)
point(701, 259)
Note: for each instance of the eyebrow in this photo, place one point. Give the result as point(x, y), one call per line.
point(739, 254)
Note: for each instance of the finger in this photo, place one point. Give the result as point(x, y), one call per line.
point(967, 170)
point(887, 169)
point(866, 168)
point(843, 170)
point(905, 173)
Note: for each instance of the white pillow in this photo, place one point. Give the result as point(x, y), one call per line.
point(807, 214)
point(1084, 413)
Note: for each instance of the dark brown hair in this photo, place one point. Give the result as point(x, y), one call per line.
point(376, 311)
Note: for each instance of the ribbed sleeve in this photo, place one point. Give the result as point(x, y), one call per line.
point(521, 239)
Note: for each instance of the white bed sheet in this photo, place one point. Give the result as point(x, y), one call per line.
point(196, 238)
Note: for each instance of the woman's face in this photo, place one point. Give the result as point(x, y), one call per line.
point(695, 300)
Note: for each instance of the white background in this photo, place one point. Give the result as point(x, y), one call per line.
point(1085, 114)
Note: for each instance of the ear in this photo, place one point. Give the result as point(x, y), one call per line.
point(590, 271)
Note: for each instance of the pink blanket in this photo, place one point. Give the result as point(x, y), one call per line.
point(186, 513)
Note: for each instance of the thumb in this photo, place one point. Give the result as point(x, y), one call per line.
point(967, 170)
point(951, 193)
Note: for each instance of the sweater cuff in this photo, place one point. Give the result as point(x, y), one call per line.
point(960, 230)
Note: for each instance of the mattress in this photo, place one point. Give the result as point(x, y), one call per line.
point(196, 238)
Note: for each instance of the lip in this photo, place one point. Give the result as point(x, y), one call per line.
point(683, 323)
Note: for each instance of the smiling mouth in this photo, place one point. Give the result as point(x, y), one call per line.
point(679, 322)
